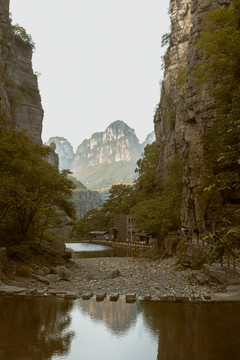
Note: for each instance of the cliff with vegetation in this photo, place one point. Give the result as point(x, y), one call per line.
point(84, 199)
point(188, 110)
point(35, 198)
point(20, 100)
point(64, 150)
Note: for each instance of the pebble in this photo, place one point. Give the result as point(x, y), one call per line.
point(138, 277)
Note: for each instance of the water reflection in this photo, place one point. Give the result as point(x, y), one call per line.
point(208, 331)
point(34, 328)
point(116, 316)
point(88, 250)
point(108, 331)
point(59, 329)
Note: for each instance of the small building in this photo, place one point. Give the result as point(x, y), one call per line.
point(120, 228)
point(124, 231)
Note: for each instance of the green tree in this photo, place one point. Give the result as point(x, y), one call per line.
point(94, 220)
point(146, 183)
point(121, 199)
point(155, 210)
point(160, 214)
point(33, 194)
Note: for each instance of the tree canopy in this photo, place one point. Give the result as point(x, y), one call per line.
point(34, 195)
point(155, 209)
point(159, 213)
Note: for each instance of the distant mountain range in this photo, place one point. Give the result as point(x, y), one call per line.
point(107, 158)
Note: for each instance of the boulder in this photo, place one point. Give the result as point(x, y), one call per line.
point(114, 274)
point(61, 271)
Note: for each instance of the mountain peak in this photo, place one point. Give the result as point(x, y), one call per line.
point(65, 151)
point(106, 158)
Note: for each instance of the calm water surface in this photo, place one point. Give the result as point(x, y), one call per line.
point(88, 250)
point(59, 329)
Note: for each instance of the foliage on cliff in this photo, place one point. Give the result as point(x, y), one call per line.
point(220, 43)
point(20, 34)
point(34, 196)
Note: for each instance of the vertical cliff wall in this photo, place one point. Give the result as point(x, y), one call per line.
point(186, 111)
point(20, 102)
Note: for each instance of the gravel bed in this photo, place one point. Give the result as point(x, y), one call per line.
point(117, 275)
point(136, 275)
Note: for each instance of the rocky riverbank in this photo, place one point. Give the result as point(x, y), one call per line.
point(130, 277)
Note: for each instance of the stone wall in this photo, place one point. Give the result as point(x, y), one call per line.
point(20, 101)
point(186, 111)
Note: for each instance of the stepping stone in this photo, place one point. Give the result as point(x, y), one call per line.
point(114, 297)
point(71, 295)
point(100, 297)
point(147, 297)
point(56, 292)
point(180, 298)
point(87, 296)
point(130, 298)
point(167, 298)
point(195, 298)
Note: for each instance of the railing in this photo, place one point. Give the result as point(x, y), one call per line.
point(204, 242)
point(118, 243)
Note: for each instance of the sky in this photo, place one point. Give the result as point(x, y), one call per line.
point(99, 61)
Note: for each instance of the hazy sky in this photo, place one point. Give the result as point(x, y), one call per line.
point(100, 61)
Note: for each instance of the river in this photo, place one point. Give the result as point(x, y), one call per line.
point(53, 328)
point(34, 328)
point(86, 250)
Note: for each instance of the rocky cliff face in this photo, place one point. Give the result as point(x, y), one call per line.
point(86, 200)
point(105, 159)
point(20, 101)
point(117, 143)
point(64, 150)
point(186, 111)
point(149, 140)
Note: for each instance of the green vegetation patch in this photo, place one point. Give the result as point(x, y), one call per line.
point(21, 35)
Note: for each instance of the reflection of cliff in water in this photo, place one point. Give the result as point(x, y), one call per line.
point(208, 331)
point(37, 328)
point(118, 316)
